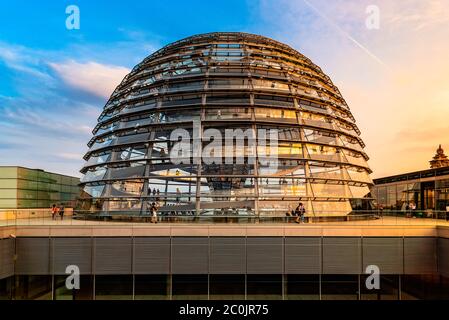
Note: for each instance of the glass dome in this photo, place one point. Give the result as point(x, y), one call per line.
point(194, 92)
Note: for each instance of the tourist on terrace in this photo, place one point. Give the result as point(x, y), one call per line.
point(54, 211)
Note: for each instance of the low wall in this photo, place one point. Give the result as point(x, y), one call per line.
point(39, 213)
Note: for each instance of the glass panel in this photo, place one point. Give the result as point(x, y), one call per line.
point(330, 208)
point(361, 192)
point(32, 288)
point(421, 287)
point(85, 292)
point(189, 287)
point(355, 158)
point(6, 288)
point(339, 287)
point(135, 170)
point(229, 83)
point(275, 113)
point(151, 287)
point(264, 287)
point(359, 175)
point(280, 101)
point(94, 191)
point(270, 84)
point(282, 186)
point(319, 136)
point(303, 287)
point(94, 175)
point(126, 188)
point(114, 287)
point(326, 153)
point(389, 288)
point(228, 113)
point(330, 190)
point(331, 172)
point(227, 287)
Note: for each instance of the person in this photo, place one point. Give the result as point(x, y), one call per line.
point(413, 208)
point(297, 214)
point(61, 211)
point(302, 212)
point(178, 195)
point(153, 210)
point(54, 211)
point(408, 207)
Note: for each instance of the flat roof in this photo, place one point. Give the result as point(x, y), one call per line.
point(226, 231)
point(385, 227)
point(428, 173)
point(42, 170)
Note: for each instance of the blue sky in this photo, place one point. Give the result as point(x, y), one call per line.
point(54, 81)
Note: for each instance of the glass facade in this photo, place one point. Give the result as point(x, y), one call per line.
point(226, 287)
point(428, 190)
point(204, 87)
point(22, 188)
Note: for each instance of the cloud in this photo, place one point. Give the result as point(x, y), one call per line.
point(92, 77)
point(71, 156)
point(420, 15)
point(51, 98)
point(22, 59)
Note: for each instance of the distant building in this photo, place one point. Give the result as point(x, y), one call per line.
point(439, 160)
point(22, 188)
point(426, 189)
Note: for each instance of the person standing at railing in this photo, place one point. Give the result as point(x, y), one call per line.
point(153, 210)
point(54, 211)
point(61, 211)
point(302, 212)
point(413, 209)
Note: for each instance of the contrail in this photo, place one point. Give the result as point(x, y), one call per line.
point(347, 35)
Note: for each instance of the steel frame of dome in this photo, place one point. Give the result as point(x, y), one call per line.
point(226, 80)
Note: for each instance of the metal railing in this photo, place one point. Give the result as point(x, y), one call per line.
point(43, 217)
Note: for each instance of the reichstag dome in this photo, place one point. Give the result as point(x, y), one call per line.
point(179, 132)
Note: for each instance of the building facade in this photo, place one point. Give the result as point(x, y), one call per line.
point(24, 188)
point(426, 189)
point(217, 93)
point(202, 262)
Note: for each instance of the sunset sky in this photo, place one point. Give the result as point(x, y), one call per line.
point(54, 81)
